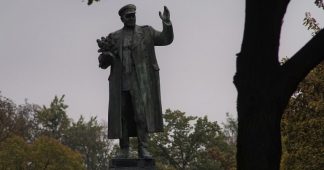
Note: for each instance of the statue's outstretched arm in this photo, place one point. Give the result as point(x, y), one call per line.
point(166, 36)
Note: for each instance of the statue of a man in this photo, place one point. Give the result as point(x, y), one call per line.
point(134, 83)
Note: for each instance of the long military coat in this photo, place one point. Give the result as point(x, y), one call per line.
point(147, 74)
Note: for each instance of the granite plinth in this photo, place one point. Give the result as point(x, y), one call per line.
point(132, 164)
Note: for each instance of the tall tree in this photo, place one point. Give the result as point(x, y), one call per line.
point(43, 153)
point(264, 86)
point(303, 125)
point(49, 153)
point(7, 116)
point(14, 153)
point(53, 121)
point(191, 143)
point(91, 140)
point(230, 129)
point(29, 123)
point(18, 120)
point(24, 122)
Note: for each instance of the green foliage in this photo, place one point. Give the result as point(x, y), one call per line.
point(303, 125)
point(53, 121)
point(91, 140)
point(14, 153)
point(36, 137)
point(230, 129)
point(18, 120)
point(7, 114)
point(190, 142)
point(48, 153)
point(25, 125)
point(44, 153)
point(50, 138)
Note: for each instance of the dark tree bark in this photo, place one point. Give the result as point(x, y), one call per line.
point(264, 86)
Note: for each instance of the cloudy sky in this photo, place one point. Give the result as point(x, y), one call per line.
point(48, 48)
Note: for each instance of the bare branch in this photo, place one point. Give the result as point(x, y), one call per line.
point(308, 57)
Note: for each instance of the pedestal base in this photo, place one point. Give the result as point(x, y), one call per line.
point(132, 164)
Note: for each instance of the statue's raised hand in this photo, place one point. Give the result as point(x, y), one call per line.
point(166, 15)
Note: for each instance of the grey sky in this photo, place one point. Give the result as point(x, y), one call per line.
point(48, 48)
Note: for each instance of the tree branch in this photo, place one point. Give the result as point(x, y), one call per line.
point(308, 57)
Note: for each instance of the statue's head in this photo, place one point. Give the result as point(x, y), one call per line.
point(127, 15)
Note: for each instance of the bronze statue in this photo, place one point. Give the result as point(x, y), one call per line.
point(134, 83)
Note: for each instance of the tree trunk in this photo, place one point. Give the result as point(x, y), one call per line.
point(259, 142)
point(260, 106)
point(264, 86)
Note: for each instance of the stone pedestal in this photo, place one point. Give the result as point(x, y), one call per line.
point(132, 164)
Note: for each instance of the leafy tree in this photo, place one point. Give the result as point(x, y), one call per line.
point(91, 140)
point(264, 86)
point(230, 129)
point(44, 153)
point(17, 120)
point(14, 153)
point(39, 125)
point(24, 121)
point(53, 121)
point(48, 153)
point(302, 124)
point(7, 115)
point(190, 142)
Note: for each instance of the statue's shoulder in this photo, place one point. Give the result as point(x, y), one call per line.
point(146, 27)
point(115, 34)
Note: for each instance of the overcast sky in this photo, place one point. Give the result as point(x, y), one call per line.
point(48, 48)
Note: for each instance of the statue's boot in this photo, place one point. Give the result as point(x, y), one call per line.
point(123, 153)
point(143, 153)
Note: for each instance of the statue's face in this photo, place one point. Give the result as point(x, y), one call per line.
point(129, 20)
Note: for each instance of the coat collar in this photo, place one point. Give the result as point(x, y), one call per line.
point(138, 36)
point(137, 39)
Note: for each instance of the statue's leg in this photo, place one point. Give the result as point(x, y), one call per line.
point(141, 126)
point(124, 140)
point(143, 143)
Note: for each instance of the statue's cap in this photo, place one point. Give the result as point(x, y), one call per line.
point(127, 9)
